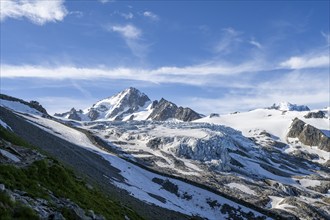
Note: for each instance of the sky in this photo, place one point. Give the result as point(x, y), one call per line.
point(212, 56)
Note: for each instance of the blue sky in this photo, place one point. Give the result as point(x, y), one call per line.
point(213, 56)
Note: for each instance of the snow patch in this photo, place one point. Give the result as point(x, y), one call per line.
point(242, 188)
point(19, 107)
point(9, 155)
point(4, 125)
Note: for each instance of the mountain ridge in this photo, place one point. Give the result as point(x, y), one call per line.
point(131, 104)
point(287, 106)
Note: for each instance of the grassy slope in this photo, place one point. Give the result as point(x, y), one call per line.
point(53, 176)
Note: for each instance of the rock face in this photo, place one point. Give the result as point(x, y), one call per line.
point(164, 110)
point(319, 114)
point(74, 114)
point(309, 135)
point(286, 106)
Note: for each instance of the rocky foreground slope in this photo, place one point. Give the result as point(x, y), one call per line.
point(35, 186)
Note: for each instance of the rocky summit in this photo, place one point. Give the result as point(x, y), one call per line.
point(163, 110)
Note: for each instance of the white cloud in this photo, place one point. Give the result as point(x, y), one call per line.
point(127, 16)
point(105, 1)
point(78, 14)
point(326, 37)
point(229, 39)
point(305, 88)
point(133, 39)
point(255, 43)
point(194, 75)
point(38, 12)
point(127, 31)
point(302, 62)
point(151, 15)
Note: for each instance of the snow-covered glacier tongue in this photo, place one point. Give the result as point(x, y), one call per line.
point(176, 144)
point(222, 159)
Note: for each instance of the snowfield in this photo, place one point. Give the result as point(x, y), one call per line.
point(19, 107)
point(273, 121)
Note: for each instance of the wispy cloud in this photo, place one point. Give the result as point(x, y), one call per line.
point(38, 12)
point(255, 43)
point(298, 87)
point(60, 104)
point(83, 91)
point(302, 62)
point(78, 14)
point(194, 75)
point(133, 39)
point(127, 31)
point(105, 1)
point(229, 39)
point(151, 15)
point(326, 37)
point(127, 16)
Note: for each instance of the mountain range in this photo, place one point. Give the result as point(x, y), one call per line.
point(131, 104)
point(268, 163)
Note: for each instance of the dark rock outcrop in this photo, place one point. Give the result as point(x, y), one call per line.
point(164, 110)
point(93, 114)
point(319, 114)
point(214, 115)
point(309, 135)
point(74, 115)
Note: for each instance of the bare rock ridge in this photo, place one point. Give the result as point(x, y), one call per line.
point(318, 114)
point(128, 105)
point(164, 110)
point(309, 135)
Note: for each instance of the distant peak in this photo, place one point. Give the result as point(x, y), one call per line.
point(287, 106)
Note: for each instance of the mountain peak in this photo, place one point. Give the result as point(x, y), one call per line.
point(132, 90)
point(131, 104)
point(124, 102)
point(287, 106)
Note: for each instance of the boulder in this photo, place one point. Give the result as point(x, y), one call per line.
point(319, 114)
point(309, 135)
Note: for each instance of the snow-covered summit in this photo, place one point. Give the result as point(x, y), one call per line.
point(287, 106)
point(115, 107)
point(131, 104)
